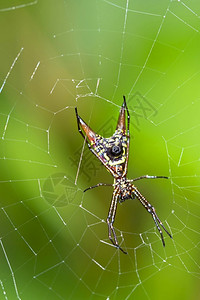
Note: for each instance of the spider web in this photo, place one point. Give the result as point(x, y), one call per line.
point(60, 54)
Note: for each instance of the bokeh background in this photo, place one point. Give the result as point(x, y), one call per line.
point(56, 55)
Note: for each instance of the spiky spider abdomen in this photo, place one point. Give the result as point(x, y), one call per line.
point(112, 151)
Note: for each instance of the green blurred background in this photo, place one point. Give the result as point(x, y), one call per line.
point(56, 55)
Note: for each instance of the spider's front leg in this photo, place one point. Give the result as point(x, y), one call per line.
point(152, 211)
point(111, 219)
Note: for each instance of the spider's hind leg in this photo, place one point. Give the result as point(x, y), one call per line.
point(148, 177)
point(96, 185)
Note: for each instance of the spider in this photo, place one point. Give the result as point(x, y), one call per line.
point(113, 152)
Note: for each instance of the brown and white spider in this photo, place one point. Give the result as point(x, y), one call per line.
point(113, 152)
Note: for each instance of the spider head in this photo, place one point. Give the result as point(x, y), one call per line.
point(112, 151)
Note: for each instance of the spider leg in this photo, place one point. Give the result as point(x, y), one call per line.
point(152, 211)
point(148, 177)
point(111, 219)
point(96, 185)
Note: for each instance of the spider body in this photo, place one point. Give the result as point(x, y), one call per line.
point(125, 189)
point(113, 152)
